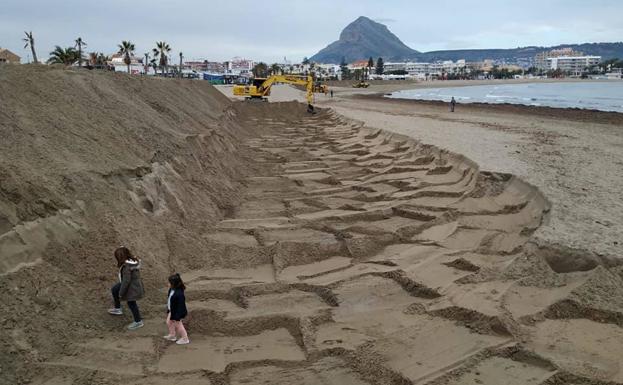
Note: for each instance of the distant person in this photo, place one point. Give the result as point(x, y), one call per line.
point(176, 311)
point(452, 104)
point(331, 93)
point(130, 286)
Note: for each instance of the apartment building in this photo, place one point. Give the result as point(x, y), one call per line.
point(573, 65)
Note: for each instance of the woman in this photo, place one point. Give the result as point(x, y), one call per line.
point(130, 286)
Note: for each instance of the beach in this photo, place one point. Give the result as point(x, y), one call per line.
point(573, 156)
point(373, 242)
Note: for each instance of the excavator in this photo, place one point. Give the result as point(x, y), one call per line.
point(260, 88)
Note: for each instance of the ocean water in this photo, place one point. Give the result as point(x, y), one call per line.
point(604, 96)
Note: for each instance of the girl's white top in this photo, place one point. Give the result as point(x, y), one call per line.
point(169, 300)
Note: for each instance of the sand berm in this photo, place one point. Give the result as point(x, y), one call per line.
point(316, 250)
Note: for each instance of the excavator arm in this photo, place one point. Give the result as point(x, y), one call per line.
point(263, 90)
point(306, 81)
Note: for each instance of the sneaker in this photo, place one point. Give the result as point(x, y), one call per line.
point(136, 325)
point(115, 311)
point(170, 338)
point(183, 341)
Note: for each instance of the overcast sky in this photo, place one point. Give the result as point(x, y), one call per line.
point(270, 30)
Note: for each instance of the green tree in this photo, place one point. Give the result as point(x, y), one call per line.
point(260, 70)
point(370, 62)
point(344, 69)
point(275, 69)
point(30, 42)
point(66, 56)
point(160, 53)
point(380, 66)
point(126, 48)
point(305, 60)
point(79, 44)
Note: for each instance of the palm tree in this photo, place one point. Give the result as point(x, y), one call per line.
point(181, 58)
point(154, 65)
point(161, 51)
point(126, 48)
point(66, 56)
point(146, 62)
point(79, 44)
point(30, 42)
point(275, 69)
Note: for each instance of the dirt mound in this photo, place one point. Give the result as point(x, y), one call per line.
point(90, 161)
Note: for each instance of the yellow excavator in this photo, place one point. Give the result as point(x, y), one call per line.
point(260, 88)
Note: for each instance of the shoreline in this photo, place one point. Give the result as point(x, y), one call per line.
point(575, 114)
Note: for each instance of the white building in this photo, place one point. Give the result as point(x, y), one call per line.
point(575, 65)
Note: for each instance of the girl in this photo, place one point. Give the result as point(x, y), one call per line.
point(130, 286)
point(176, 310)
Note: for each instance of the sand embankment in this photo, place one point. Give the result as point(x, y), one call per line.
point(341, 254)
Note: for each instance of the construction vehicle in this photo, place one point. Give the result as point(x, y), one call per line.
point(259, 89)
point(320, 88)
point(361, 84)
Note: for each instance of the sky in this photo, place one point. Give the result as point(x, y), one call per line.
point(271, 30)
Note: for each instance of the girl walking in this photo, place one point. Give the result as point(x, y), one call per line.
point(176, 311)
point(130, 286)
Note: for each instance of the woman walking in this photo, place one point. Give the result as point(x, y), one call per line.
point(130, 286)
point(176, 311)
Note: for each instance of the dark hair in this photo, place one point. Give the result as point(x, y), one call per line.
point(122, 254)
point(176, 282)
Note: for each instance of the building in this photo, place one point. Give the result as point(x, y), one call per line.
point(541, 60)
point(8, 57)
point(573, 65)
point(239, 66)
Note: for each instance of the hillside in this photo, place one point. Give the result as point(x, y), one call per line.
point(365, 38)
point(361, 39)
point(605, 50)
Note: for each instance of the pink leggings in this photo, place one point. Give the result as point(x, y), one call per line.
point(176, 327)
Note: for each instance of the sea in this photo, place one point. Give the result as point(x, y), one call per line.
point(592, 95)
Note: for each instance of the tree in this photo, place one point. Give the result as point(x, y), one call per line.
point(79, 44)
point(275, 69)
point(160, 53)
point(260, 70)
point(146, 62)
point(181, 59)
point(305, 60)
point(380, 66)
point(370, 62)
point(66, 56)
point(358, 74)
point(126, 48)
point(344, 69)
point(30, 42)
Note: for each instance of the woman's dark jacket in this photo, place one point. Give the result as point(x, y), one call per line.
point(178, 305)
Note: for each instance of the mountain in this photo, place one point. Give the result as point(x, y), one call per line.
point(364, 38)
point(605, 50)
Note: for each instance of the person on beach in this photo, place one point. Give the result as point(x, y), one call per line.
point(452, 104)
point(130, 286)
point(331, 93)
point(176, 311)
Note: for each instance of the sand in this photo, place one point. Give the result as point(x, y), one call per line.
point(316, 248)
